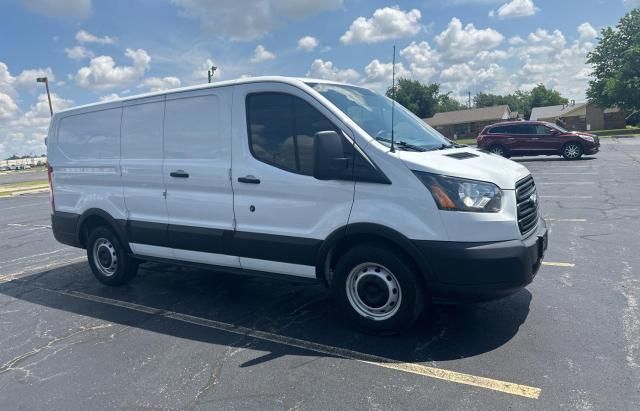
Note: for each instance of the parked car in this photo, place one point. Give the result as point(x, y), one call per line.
point(4, 168)
point(534, 138)
point(295, 178)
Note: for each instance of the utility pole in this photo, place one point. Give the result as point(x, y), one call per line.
point(211, 71)
point(46, 83)
point(469, 99)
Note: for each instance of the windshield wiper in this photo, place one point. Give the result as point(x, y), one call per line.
point(445, 146)
point(401, 144)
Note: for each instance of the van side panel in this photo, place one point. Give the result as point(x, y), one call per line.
point(197, 164)
point(85, 157)
point(142, 179)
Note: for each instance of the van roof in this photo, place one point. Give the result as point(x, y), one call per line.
point(245, 80)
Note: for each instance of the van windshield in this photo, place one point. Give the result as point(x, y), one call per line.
point(372, 112)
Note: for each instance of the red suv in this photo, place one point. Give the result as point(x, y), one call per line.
point(533, 138)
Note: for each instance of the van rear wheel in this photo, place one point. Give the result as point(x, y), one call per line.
point(378, 290)
point(108, 259)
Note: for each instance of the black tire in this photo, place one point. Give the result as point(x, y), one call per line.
point(499, 150)
point(108, 259)
point(376, 288)
point(572, 151)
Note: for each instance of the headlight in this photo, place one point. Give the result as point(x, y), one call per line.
point(588, 138)
point(459, 194)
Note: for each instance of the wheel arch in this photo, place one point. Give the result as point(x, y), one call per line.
point(95, 217)
point(344, 238)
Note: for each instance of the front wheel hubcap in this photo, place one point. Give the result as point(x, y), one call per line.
point(572, 151)
point(105, 257)
point(373, 291)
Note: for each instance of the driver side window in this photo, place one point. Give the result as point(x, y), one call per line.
point(281, 130)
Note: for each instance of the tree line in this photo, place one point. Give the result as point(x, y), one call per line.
point(425, 100)
point(615, 80)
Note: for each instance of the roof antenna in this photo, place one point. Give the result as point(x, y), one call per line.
point(393, 96)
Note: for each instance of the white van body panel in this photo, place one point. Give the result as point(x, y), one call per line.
point(286, 203)
point(404, 205)
point(485, 167)
point(197, 133)
point(86, 151)
point(141, 163)
point(118, 157)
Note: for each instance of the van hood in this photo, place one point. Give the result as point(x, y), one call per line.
point(469, 163)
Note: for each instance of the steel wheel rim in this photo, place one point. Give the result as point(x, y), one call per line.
point(105, 257)
point(373, 291)
point(572, 151)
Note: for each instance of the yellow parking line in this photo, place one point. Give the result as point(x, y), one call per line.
point(553, 264)
point(417, 369)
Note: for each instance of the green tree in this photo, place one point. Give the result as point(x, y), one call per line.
point(616, 65)
point(421, 99)
point(522, 101)
point(541, 96)
point(448, 103)
point(489, 100)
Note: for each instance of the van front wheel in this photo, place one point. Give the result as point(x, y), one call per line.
point(108, 259)
point(378, 290)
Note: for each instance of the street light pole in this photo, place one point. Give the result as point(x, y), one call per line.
point(46, 84)
point(211, 71)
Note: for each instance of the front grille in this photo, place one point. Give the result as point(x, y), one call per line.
point(527, 200)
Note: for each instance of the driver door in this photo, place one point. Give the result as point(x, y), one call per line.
point(282, 212)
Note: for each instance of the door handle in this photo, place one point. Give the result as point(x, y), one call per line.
point(249, 180)
point(179, 174)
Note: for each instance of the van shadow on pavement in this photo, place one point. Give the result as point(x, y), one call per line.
point(302, 311)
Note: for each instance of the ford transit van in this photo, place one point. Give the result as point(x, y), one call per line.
point(301, 178)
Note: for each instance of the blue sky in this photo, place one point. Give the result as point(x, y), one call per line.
point(98, 49)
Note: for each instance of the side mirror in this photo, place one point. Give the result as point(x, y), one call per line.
point(329, 161)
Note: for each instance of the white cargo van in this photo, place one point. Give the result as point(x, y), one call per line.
point(294, 177)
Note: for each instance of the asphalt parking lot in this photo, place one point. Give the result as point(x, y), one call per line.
point(12, 177)
point(179, 338)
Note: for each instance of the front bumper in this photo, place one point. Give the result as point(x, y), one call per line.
point(471, 272)
point(592, 149)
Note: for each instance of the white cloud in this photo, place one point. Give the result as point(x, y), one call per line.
point(423, 60)
point(587, 32)
point(387, 23)
point(59, 8)
point(79, 53)
point(8, 107)
point(25, 132)
point(517, 41)
point(631, 4)
point(110, 97)
point(307, 43)
point(85, 37)
point(515, 8)
point(379, 76)
point(261, 54)
point(461, 43)
point(161, 83)
point(6, 80)
point(249, 19)
point(102, 72)
point(27, 79)
point(326, 70)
